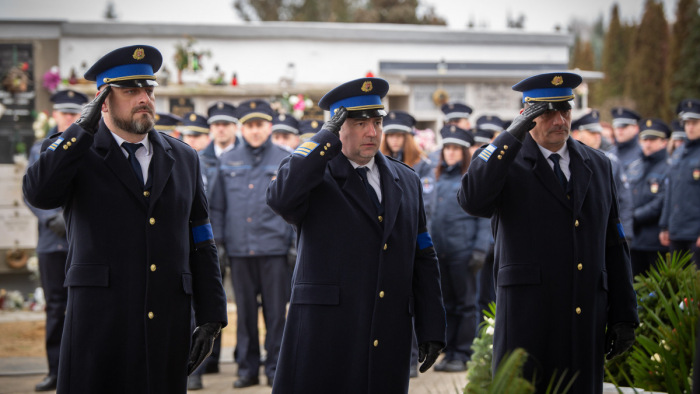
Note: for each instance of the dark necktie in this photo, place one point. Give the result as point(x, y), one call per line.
point(554, 157)
point(135, 165)
point(362, 172)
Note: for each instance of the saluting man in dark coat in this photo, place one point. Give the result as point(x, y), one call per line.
point(366, 264)
point(141, 252)
point(562, 269)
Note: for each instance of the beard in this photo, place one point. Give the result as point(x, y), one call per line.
point(139, 125)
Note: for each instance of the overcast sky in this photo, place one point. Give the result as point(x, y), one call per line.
point(541, 15)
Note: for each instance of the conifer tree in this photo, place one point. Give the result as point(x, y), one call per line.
point(684, 59)
point(614, 57)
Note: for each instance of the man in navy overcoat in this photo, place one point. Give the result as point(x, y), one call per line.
point(562, 269)
point(365, 262)
point(141, 253)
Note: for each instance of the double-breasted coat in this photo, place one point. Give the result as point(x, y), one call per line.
point(562, 269)
point(138, 261)
point(359, 278)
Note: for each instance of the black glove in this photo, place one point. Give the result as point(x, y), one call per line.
point(202, 343)
point(336, 121)
point(92, 112)
point(524, 122)
point(57, 224)
point(477, 260)
point(428, 352)
point(618, 339)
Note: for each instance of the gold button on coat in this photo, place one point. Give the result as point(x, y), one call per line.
point(322, 153)
point(73, 139)
point(381, 219)
point(146, 193)
point(381, 294)
point(505, 147)
point(500, 157)
point(503, 152)
point(385, 246)
point(151, 315)
point(576, 223)
point(580, 266)
point(376, 342)
point(578, 310)
point(153, 267)
point(65, 146)
point(152, 221)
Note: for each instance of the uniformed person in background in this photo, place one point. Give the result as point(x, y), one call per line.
point(489, 125)
point(141, 254)
point(456, 114)
point(461, 242)
point(626, 131)
point(678, 137)
point(256, 240)
point(167, 123)
point(562, 270)
point(52, 246)
point(285, 131)
point(647, 178)
point(588, 130)
point(366, 264)
point(308, 128)
point(223, 125)
point(195, 131)
point(680, 220)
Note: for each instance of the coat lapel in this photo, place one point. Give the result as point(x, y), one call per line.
point(580, 173)
point(352, 185)
point(543, 172)
point(113, 156)
point(162, 162)
point(392, 193)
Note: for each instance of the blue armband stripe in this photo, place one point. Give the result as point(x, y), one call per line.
point(620, 231)
point(424, 240)
point(202, 233)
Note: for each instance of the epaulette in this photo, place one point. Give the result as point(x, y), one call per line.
point(400, 162)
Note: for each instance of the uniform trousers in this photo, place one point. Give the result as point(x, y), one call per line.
point(459, 296)
point(684, 246)
point(52, 268)
point(268, 277)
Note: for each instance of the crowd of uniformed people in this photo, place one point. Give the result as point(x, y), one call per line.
point(656, 169)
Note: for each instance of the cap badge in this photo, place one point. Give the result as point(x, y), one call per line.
point(282, 117)
point(392, 115)
point(139, 54)
point(193, 117)
point(619, 111)
point(220, 105)
point(314, 124)
point(453, 129)
point(558, 80)
point(157, 117)
point(252, 105)
point(70, 94)
point(690, 105)
point(649, 123)
point(367, 86)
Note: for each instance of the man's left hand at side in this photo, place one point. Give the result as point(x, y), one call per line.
point(618, 339)
point(428, 352)
point(202, 343)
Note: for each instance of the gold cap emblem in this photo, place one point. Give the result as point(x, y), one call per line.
point(193, 117)
point(558, 80)
point(367, 86)
point(252, 105)
point(282, 117)
point(392, 115)
point(595, 115)
point(157, 117)
point(70, 93)
point(649, 123)
point(220, 105)
point(453, 129)
point(619, 111)
point(139, 54)
point(314, 124)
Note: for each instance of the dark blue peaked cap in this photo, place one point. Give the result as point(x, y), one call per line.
point(689, 109)
point(132, 66)
point(624, 116)
point(489, 122)
point(589, 122)
point(221, 111)
point(677, 130)
point(653, 128)
point(254, 109)
point(283, 123)
point(548, 87)
point(193, 123)
point(398, 122)
point(166, 121)
point(361, 97)
point(68, 101)
point(456, 110)
point(452, 134)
